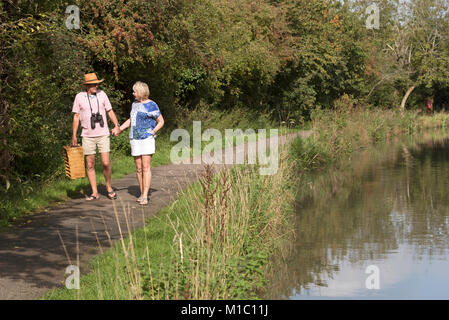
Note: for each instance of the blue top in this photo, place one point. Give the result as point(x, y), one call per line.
point(143, 119)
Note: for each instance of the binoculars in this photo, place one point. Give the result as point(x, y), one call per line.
point(96, 117)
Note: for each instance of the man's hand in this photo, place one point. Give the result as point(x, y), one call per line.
point(74, 142)
point(76, 120)
point(116, 131)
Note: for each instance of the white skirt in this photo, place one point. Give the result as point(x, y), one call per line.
point(142, 147)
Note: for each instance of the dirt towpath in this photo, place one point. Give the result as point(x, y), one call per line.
point(35, 251)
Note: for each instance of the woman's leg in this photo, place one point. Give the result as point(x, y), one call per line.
point(138, 162)
point(146, 172)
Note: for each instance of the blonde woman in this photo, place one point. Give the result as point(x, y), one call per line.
point(145, 121)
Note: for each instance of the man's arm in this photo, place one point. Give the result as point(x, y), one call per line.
point(114, 120)
point(76, 120)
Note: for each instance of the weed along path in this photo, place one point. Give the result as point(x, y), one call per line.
point(37, 250)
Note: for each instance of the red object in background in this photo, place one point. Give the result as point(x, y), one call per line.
point(429, 106)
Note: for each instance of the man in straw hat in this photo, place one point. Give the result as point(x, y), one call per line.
point(90, 107)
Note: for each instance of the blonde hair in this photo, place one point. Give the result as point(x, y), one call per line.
point(142, 90)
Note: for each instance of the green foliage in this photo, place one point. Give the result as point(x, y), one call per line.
point(282, 58)
point(120, 145)
point(409, 51)
point(39, 93)
point(309, 155)
point(328, 59)
point(248, 275)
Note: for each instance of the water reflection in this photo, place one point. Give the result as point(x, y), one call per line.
point(389, 209)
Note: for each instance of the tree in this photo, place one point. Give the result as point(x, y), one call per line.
point(416, 49)
point(328, 61)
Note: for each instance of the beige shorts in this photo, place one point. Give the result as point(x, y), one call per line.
point(90, 145)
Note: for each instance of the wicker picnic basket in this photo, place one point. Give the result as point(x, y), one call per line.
point(74, 162)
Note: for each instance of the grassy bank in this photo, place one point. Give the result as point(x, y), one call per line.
point(214, 242)
point(27, 195)
point(437, 120)
point(337, 135)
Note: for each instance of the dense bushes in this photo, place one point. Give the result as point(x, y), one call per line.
point(282, 58)
point(190, 52)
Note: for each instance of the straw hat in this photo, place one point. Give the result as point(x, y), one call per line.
point(91, 78)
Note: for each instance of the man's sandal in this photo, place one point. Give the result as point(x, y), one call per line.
point(112, 195)
point(92, 197)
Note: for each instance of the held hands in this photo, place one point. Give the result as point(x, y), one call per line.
point(116, 131)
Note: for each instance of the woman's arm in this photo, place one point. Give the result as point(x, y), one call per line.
point(125, 125)
point(160, 124)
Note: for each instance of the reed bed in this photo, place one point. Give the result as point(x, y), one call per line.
point(437, 120)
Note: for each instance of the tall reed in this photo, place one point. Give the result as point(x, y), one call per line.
point(225, 231)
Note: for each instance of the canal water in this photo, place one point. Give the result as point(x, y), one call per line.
point(379, 230)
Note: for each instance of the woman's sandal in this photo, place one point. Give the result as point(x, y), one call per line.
point(92, 197)
point(140, 198)
point(143, 201)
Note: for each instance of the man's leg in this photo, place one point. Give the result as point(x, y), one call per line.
point(104, 149)
point(90, 168)
point(107, 170)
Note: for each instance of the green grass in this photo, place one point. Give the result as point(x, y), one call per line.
point(214, 242)
point(108, 279)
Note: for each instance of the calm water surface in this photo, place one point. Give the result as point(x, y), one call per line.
point(392, 212)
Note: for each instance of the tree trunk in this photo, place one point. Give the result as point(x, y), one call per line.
point(404, 100)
